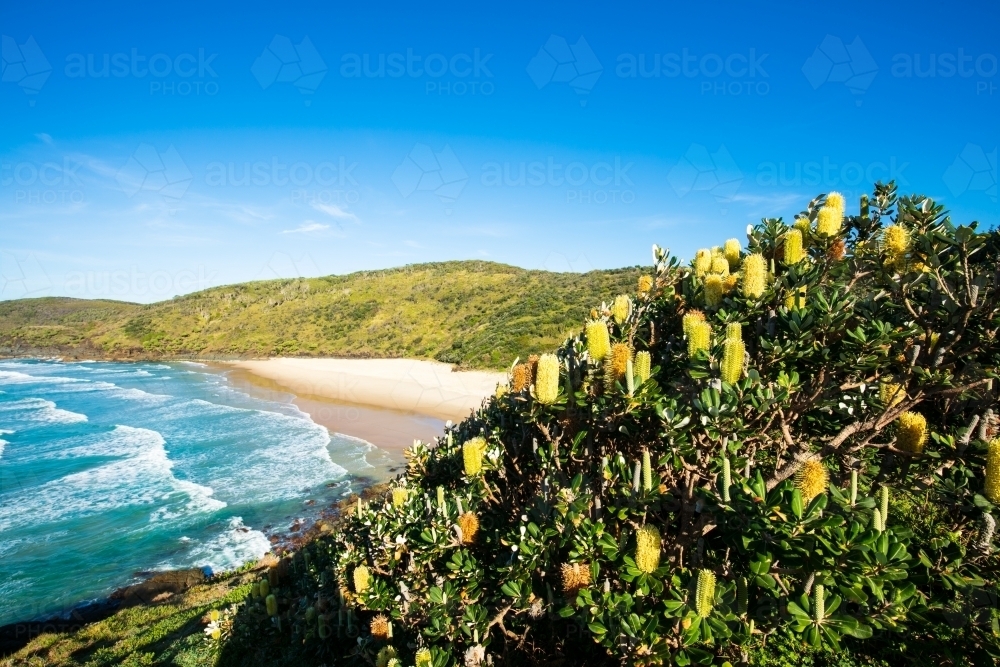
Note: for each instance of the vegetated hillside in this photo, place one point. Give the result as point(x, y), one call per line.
point(477, 314)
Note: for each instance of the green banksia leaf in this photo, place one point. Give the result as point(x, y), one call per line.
point(911, 432)
point(702, 262)
point(424, 658)
point(731, 250)
point(647, 550)
point(361, 579)
point(727, 478)
point(643, 363)
point(399, 496)
point(546, 382)
point(883, 505)
point(812, 480)
point(704, 598)
point(819, 603)
point(992, 483)
point(714, 290)
point(272, 605)
point(647, 471)
point(598, 340)
point(699, 337)
point(864, 207)
point(754, 276)
point(621, 308)
point(741, 595)
point(474, 448)
point(734, 351)
point(793, 247)
point(829, 221)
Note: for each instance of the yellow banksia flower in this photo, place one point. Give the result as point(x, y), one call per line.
point(574, 577)
point(399, 496)
point(804, 225)
point(713, 290)
point(754, 276)
point(730, 282)
point(812, 480)
point(829, 221)
point(647, 549)
point(384, 656)
point(992, 485)
point(469, 523)
point(645, 284)
point(547, 382)
point(617, 362)
point(796, 298)
point(793, 247)
point(732, 250)
point(897, 240)
point(702, 262)
point(720, 265)
point(732, 360)
point(734, 330)
point(836, 200)
point(520, 377)
point(704, 596)
point(891, 394)
point(690, 318)
point(472, 456)
point(380, 627)
point(911, 432)
point(621, 308)
point(699, 337)
point(598, 340)
point(501, 390)
point(361, 579)
point(643, 362)
point(423, 658)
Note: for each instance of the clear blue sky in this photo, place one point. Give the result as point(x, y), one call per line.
point(150, 149)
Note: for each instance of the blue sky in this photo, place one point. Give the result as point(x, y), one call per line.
point(152, 149)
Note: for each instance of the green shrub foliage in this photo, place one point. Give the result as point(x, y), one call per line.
point(778, 506)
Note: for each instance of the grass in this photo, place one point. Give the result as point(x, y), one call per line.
point(475, 314)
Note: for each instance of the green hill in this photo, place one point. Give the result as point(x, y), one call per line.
point(476, 314)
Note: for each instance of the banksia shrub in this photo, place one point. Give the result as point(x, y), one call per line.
point(520, 378)
point(793, 247)
point(621, 308)
point(991, 488)
point(702, 262)
point(754, 276)
point(812, 480)
point(713, 290)
point(829, 221)
point(645, 284)
point(699, 337)
point(598, 340)
point(380, 627)
point(469, 523)
point(547, 382)
point(643, 363)
point(704, 597)
point(574, 577)
point(472, 456)
point(911, 432)
point(647, 548)
point(399, 496)
point(361, 579)
point(732, 360)
point(732, 250)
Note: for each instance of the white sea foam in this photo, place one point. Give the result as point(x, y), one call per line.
point(227, 550)
point(17, 377)
point(40, 410)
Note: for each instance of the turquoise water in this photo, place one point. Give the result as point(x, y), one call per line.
point(108, 470)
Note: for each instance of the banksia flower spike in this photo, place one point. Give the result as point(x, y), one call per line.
point(734, 330)
point(741, 595)
point(547, 382)
point(621, 309)
point(469, 523)
point(384, 656)
point(598, 340)
point(361, 579)
point(897, 241)
point(733, 353)
point(617, 362)
point(836, 200)
point(713, 290)
point(702, 262)
point(911, 432)
point(271, 603)
point(574, 577)
point(473, 449)
point(520, 378)
point(642, 366)
point(645, 284)
point(732, 252)
point(793, 247)
point(727, 478)
point(380, 627)
point(690, 318)
point(264, 588)
point(819, 603)
point(854, 487)
point(804, 225)
point(812, 480)
point(720, 266)
point(730, 282)
point(399, 496)
point(754, 276)
point(423, 658)
point(647, 550)
point(837, 250)
point(992, 486)
point(829, 221)
point(699, 337)
point(883, 505)
point(877, 521)
point(796, 298)
point(440, 499)
point(891, 394)
point(704, 597)
point(647, 472)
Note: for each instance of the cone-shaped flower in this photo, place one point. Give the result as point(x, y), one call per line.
point(690, 318)
point(734, 330)
point(272, 605)
point(361, 579)
point(384, 656)
point(699, 337)
point(380, 627)
point(647, 471)
point(702, 262)
point(732, 252)
point(547, 382)
point(819, 603)
point(720, 265)
point(713, 290)
point(897, 241)
point(642, 366)
point(264, 588)
point(730, 282)
point(645, 284)
point(733, 353)
point(911, 432)
point(992, 485)
point(621, 308)
point(647, 549)
point(891, 394)
point(829, 220)
point(399, 496)
point(704, 597)
point(803, 225)
point(423, 658)
point(812, 480)
point(469, 523)
point(598, 340)
point(520, 378)
point(793, 247)
point(836, 200)
point(883, 504)
point(472, 456)
point(617, 362)
point(574, 577)
point(754, 276)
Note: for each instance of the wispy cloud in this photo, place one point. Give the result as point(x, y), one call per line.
point(307, 227)
point(335, 211)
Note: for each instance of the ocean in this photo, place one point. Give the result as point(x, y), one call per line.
point(111, 470)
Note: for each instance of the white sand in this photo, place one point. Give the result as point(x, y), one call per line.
point(424, 387)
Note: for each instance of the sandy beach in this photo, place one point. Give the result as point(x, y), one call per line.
point(388, 402)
